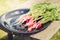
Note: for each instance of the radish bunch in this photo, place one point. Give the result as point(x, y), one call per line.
point(27, 24)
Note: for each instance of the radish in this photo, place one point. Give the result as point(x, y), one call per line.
point(27, 19)
point(36, 25)
point(31, 26)
point(39, 24)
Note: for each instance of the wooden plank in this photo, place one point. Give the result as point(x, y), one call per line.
point(48, 32)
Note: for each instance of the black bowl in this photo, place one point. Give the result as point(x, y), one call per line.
point(5, 21)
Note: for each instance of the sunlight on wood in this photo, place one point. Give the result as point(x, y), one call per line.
point(2, 34)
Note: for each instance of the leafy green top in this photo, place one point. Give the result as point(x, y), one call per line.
point(48, 11)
